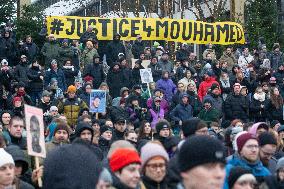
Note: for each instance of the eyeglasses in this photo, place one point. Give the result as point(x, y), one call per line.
point(156, 166)
point(267, 153)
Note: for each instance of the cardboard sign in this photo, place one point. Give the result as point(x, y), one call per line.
point(35, 131)
point(146, 75)
point(98, 101)
point(177, 30)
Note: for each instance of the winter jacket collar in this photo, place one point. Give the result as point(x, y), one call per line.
point(151, 184)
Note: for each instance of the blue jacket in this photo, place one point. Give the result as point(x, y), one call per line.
point(182, 112)
point(257, 169)
point(168, 86)
point(59, 75)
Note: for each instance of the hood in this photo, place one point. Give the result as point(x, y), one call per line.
point(254, 128)
point(81, 127)
point(18, 156)
point(210, 79)
point(122, 90)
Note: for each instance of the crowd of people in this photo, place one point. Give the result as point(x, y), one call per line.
point(203, 123)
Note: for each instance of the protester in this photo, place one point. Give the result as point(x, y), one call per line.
point(201, 163)
point(234, 97)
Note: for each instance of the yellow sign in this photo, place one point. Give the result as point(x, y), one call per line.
point(178, 30)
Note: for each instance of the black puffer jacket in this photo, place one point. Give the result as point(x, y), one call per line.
point(236, 107)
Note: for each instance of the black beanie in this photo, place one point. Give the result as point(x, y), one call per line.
point(235, 174)
point(214, 86)
point(199, 150)
point(70, 161)
point(266, 138)
point(105, 128)
point(190, 126)
point(162, 125)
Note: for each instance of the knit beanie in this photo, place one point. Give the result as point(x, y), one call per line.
point(199, 150)
point(150, 150)
point(62, 127)
point(65, 163)
point(242, 139)
point(235, 174)
point(123, 157)
point(214, 86)
point(266, 138)
point(6, 158)
point(71, 89)
point(162, 124)
point(189, 127)
point(88, 78)
point(105, 128)
point(280, 164)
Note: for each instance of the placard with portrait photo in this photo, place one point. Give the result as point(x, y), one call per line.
point(98, 101)
point(35, 131)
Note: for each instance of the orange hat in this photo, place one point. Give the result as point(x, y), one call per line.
point(71, 89)
point(123, 157)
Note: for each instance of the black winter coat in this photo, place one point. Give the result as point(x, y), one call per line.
point(127, 74)
point(236, 107)
point(30, 50)
point(151, 184)
point(6, 78)
point(182, 54)
point(36, 84)
point(156, 71)
point(137, 49)
point(21, 73)
point(9, 50)
point(117, 112)
point(104, 145)
point(112, 50)
point(115, 81)
point(274, 113)
point(96, 71)
point(257, 113)
point(70, 74)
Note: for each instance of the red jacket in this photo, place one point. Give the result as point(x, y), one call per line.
point(205, 86)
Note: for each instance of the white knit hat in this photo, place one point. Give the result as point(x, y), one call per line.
point(150, 150)
point(6, 158)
